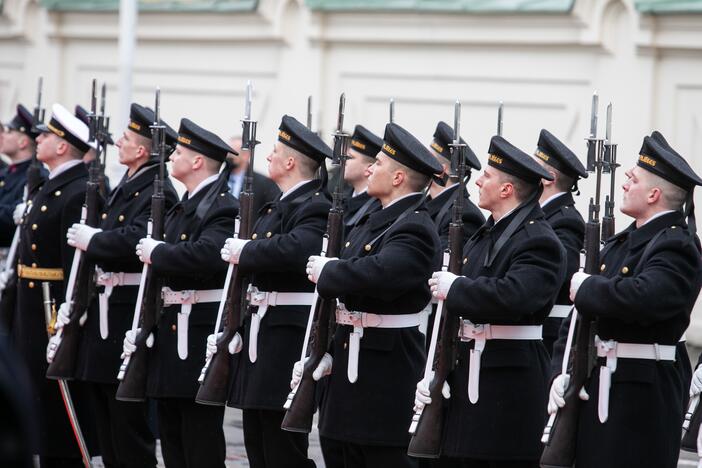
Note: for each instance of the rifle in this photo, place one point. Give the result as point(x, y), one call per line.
point(64, 350)
point(499, 118)
point(392, 110)
point(50, 318)
point(100, 132)
point(609, 166)
point(133, 371)
point(34, 177)
point(214, 377)
point(309, 113)
point(300, 403)
point(428, 423)
point(560, 433)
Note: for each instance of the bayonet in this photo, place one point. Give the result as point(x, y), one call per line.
point(499, 118)
point(392, 110)
point(309, 113)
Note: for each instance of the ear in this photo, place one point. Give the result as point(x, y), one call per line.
point(290, 163)
point(506, 190)
point(23, 142)
point(548, 183)
point(398, 177)
point(141, 152)
point(198, 162)
point(62, 148)
point(654, 195)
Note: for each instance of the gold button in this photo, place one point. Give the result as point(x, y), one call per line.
point(269, 210)
point(316, 193)
point(2, 183)
point(173, 327)
point(625, 270)
point(367, 247)
point(31, 284)
point(347, 244)
point(183, 236)
point(673, 227)
point(136, 194)
point(602, 267)
point(531, 222)
point(34, 265)
point(465, 260)
point(43, 208)
point(269, 234)
point(57, 193)
point(222, 194)
point(104, 216)
point(34, 247)
point(254, 236)
point(120, 218)
point(29, 202)
point(34, 227)
point(345, 345)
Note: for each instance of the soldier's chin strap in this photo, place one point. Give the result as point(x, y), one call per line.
point(521, 213)
point(215, 189)
point(690, 212)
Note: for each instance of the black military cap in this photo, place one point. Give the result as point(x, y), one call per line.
point(23, 122)
point(662, 160)
point(443, 139)
point(401, 146)
point(366, 142)
point(83, 114)
point(203, 141)
point(557, 155)
point(142, 118)
point(298, 137)
point(508, 158)
point(67, 126)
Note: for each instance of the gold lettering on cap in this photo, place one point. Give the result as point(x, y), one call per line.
point(134, 125)
point(542, 155)
point(185, 141)
point(56, 130)
point(284, 135)
point(438, 148)
point(495, 159)
point(358, 144)
point(647, 160)
point(389, 149)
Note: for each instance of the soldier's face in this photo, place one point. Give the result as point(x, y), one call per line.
point(490, 184)
point(357, 167)
point(382, 173)
point(276, 163)
point(637, 189)
point(128, 145)
point(9, 142)
point(181, 162)
point(47, 146)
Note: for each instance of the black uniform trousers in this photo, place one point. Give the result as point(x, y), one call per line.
point(267, 446)
point(125, 437)
point(471, 463)
point(189, 433)
point(339, 454)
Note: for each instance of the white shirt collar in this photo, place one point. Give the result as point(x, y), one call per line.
point(202, 184)
point(401, 198)
point(551, 198)
point(355, 194)
point(294, 187)
point(506, 214)
point(657, 215)
point(61, 168)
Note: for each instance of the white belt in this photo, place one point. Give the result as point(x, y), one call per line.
point(264, 300)
point(361, 320)
point(560, 311)
point(187, 298)
point(612, 350)
point(480, 333)
point(110, 280)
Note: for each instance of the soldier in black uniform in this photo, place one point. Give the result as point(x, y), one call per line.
point(188, 261)
point(559, 210)
point(17, 144)
point(362, 150)
point(380, 281)
point(445, 189)
point(650, 276)
point(512, 269)
point(287, 232)
point(125, 438)
point(45, 256)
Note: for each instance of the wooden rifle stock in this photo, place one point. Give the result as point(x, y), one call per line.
point(64, 361)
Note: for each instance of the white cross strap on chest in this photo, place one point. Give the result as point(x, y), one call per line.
point(481, 333)
point(612, 350)
point(361, 320)
point(560, 311)
point(186, 298)
point(111, 280)
point(265, 299)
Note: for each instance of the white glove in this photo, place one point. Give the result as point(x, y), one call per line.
point(145, 248)
point(315, 265)
point(129, 343)
point(575, 282)
point(232, 250)
point(79, 235)
point(696, 383)
point(421, 395)
point(556, 394)
point(233, 347)
point(5, 276)
point(323, 369)
point(19, 212)
point(440, 283)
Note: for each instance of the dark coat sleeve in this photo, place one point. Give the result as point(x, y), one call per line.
point(528, 286)
point(201, 256)
point(407, 248)
point(571, 233)
point(659, 291)
point(288, 251)
point(70, 214)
